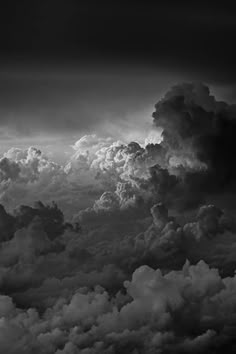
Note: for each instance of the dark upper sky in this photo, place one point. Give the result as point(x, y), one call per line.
point(191, 35)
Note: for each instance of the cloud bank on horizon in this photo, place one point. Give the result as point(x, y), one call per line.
point(131, 248)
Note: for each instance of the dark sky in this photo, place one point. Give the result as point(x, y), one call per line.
point(191, 35)
point(67, 65)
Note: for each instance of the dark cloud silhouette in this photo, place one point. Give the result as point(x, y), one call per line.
point(201, 129)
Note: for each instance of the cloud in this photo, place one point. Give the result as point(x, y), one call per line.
point(8, 169)
point(149, 319)
point(126, 252)
point(201, 129)
point(97, 166)
point(34, 174)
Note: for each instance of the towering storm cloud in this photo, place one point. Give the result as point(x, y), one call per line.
point(195, 123)
point(132, 246)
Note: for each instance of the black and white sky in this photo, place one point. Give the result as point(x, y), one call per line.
point(73, 67)
point(117, 177)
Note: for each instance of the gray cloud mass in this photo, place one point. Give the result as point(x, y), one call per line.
point(128, 247)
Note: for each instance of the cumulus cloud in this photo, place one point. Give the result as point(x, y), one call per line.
point(9, 169)
point(29, 175)
point(147, 320)
point(200, 129)
point(132, 246)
